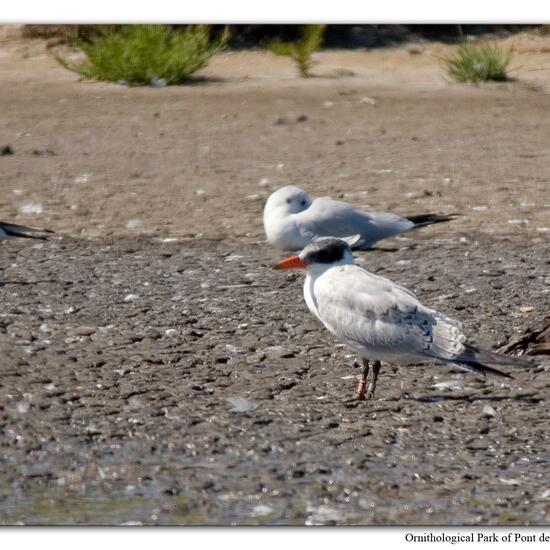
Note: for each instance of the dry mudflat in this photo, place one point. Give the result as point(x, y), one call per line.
point(155, 370)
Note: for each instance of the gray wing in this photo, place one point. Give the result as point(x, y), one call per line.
point(329, 218)
point(368, 311)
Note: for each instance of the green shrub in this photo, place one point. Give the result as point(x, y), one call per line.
point(301, 50)
point(146, 54)
point(478, 63)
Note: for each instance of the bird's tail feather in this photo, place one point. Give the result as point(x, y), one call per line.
point(422, 220)
point(488, 357)
point(482, 370)
point(484, 362)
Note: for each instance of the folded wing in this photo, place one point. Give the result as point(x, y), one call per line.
point(12, 230)
point(330, 218)
point(371, 312)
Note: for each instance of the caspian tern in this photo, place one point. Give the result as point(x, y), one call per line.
point(381, 320)
point(292, 220)
point(13, 230)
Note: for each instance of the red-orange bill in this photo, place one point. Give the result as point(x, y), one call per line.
point(294, 262)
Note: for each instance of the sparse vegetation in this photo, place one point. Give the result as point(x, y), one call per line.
point(478, 63)
point(301, 50)
point(146, 54)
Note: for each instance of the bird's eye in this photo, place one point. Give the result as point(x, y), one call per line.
point(288, 201)
point(302, 202)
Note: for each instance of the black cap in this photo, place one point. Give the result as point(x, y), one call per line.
point(325, 251)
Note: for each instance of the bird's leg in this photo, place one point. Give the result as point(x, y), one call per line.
point(372, 386)
point(361, 387)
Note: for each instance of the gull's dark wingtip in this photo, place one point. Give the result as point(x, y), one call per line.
point(421, 220)
point(23, 231)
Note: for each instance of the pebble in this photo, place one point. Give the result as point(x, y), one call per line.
point(510, 481)
point(368, 100)
point(134, 402)
point(232, 350)
point(261, 510)
point(233, 258)
point(134, 224)
point(489, 411)
point(22, 407)
point(240, 404)
point(83, 178)
point(448, 385)
point(31, 208)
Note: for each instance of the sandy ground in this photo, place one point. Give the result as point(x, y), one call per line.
point(152, 380)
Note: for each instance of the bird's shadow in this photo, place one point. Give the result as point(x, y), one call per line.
point(527, 397)
point(435, 398)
